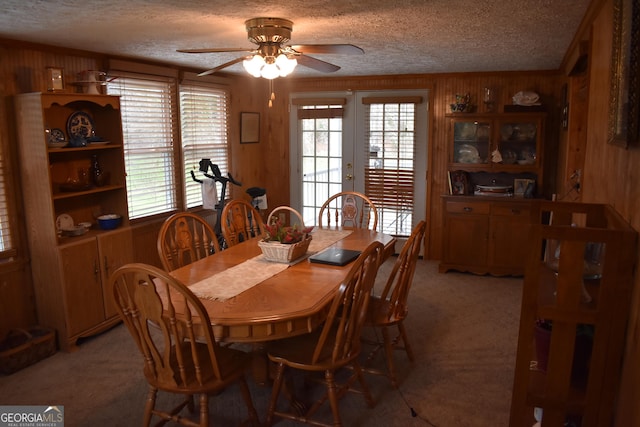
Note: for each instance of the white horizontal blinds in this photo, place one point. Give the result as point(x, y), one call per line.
point(320, 127)
point(6, 244)
point(204, 115)
point(390, 154)
point(148, 124)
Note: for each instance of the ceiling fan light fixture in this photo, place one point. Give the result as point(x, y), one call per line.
point(270, 71)
point(254, 65)
point(286, 64)
point(269, 67)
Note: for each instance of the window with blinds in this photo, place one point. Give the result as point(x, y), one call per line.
point(6, 244)
point(390, 137)
point(148, 124)
point(203, 118)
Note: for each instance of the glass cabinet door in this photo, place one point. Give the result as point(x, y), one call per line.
point(471, 142)
point(518, 142)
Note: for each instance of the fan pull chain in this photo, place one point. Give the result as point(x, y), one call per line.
point(273, 95)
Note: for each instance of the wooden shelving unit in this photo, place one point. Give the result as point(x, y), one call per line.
point(70, 273)
point(578, 278)
point(487, 234)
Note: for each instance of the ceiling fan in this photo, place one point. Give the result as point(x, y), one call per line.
point(272, 58)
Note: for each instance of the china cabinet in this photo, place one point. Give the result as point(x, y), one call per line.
point(70, 264)
point(504, 146)
point(485, 234)
point(492, 156)
point(578, 283)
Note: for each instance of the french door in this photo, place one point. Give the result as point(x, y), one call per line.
point(371, 142)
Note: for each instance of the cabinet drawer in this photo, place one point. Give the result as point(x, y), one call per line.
point(468, 207)
point(510, 209)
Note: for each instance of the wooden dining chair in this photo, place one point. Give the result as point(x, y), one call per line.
point(161, 315)
point(349, 209)
point(390, 307)
point(240, 222)
point(334, 346)
point(185, 238)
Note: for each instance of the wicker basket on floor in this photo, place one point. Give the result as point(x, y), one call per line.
point(23, 347)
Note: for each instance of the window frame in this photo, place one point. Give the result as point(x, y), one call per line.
point(191, 163)
point(181, 171)
point(9, 249)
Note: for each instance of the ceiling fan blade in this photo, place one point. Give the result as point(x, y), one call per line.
point(220, 67)
point(214, 50)
point(316, 64)
point(342, 49)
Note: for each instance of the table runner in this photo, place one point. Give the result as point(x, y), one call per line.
point(237, 279)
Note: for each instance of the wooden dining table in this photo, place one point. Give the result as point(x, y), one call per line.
point(292, 302)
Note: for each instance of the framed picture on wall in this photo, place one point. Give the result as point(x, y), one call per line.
point(624, 108)
point(249, 128)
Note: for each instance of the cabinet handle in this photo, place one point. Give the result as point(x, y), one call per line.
point(106, 267)
point(467, 209)
point(515, 211)
point(96, 270)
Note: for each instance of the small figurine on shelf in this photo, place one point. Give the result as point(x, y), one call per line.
point(97, 175)
point(462, 104)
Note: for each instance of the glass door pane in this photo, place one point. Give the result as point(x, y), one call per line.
point(518, 141)
point(471, 142)
point(322, 163)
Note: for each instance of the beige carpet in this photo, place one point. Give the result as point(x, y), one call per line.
point(463, 329)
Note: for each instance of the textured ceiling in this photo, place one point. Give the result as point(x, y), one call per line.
point(398, 37)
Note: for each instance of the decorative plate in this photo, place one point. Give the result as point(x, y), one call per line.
point(80, 125)
point(64, 221)
point(76, 230)
point(468, 154)
point(57, 135)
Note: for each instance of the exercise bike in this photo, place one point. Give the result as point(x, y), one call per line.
point(216, 175)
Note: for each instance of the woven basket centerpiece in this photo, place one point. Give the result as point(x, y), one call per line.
point(276, 247)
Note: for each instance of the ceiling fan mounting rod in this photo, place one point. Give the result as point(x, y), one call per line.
point(269, 51)
point(269, 30)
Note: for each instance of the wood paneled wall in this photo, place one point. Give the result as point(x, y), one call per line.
point(611, 175)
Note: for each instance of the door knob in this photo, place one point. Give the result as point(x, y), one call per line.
point(349, 177)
